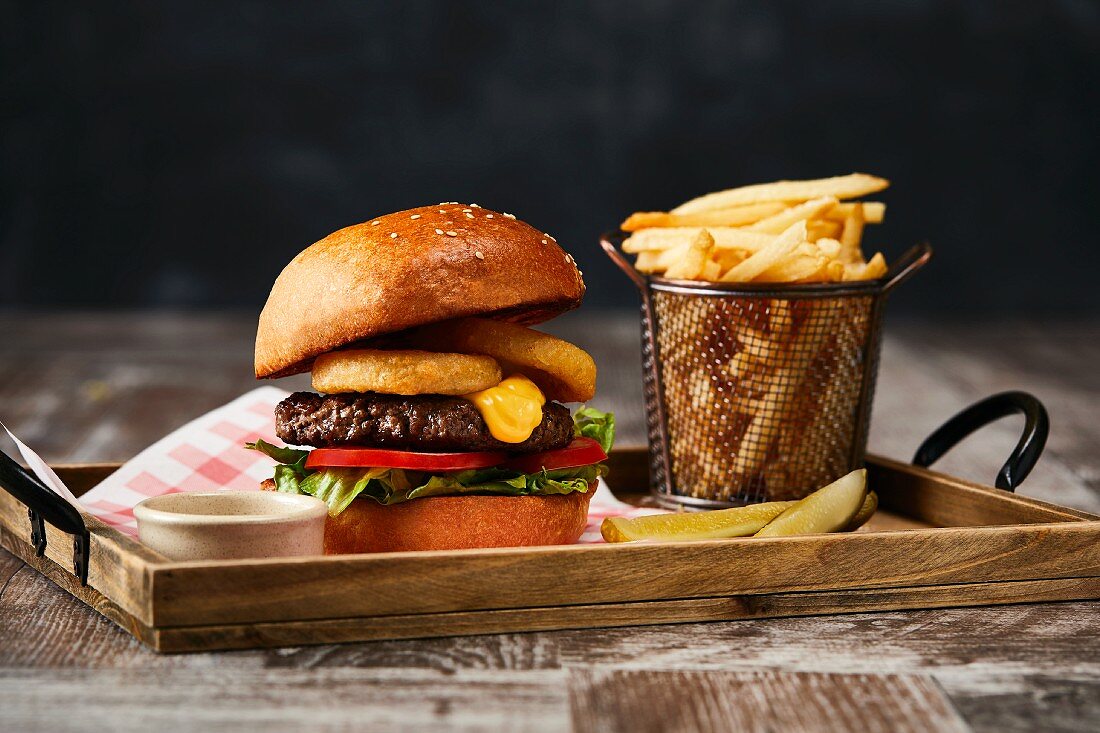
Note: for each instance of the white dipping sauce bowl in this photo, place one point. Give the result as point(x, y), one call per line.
point(227, 525)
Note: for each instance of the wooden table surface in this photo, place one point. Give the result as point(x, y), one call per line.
point(97, 387)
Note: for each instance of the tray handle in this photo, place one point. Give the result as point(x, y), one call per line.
point(1027, 451)
point(43, 506)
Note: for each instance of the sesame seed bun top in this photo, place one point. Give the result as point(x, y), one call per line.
point(409, 269)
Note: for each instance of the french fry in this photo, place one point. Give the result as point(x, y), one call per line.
point(731, 217)
point(691, 264)
point(823, 229)
point(780, 319)
point(724, 238)
point(741, 365)
point(874, 212)
point(657, 261)
point(785, 382)
point(780, 248)
point(876, 267)
point(712, 270)
point(793, 269)
point(743, 404)
point(727, 258)
point(852, 236)
point(649, 263)
point(828, 247)
point(758, 346)
point(840, 187)
point(834, 271)
point(779, 222)
point(872, 270)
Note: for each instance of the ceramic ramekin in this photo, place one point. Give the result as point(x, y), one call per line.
point(227, 525)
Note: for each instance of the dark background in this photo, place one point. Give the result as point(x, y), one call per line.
point(178, 154)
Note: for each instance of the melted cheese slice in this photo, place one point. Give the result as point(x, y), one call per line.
point(512, 409)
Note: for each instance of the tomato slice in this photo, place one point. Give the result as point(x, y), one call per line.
point(581, 452)
point(382, 458)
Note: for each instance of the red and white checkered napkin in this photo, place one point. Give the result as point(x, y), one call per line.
point(604, 504)
point(208, 454)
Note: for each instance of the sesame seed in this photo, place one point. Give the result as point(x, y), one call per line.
point(510, 216)
point(449, 203)
point(488, 216)
point(438, 231)
point(393, 235)
point(475, 206)
point(375, 223)
point(451, 234)
point(479, 255)
point(469, 216)
point(442, 211)
point(548, 236)
point(415, 216)
point(545, 242)
point(466, 211)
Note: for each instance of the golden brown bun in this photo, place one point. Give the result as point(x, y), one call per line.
point(457, 523)
point(362, 281)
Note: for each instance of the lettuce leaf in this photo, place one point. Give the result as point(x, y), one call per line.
point(292, 458)
point(338, 487)
point(505, 483)
point(589, 422)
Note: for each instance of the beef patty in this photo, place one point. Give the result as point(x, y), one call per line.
point(429, 423)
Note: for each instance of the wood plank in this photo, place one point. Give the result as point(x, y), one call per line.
point(63, 577)
point(946, 501)
point(221, 698)
point(358, 585)
point(1004, 702)
point(637, 701)
point(775, 605)
point(958, 645)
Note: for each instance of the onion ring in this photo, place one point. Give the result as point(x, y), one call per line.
point(562, 371)
point(406, 372)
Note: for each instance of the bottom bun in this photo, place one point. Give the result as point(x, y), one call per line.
point(457, 523)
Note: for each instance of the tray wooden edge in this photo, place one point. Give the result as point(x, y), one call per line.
point(612, 615)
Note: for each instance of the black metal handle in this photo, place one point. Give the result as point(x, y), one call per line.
point(44, 505)
point(1027, 451)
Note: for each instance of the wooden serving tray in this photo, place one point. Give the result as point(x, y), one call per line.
point(936, 541)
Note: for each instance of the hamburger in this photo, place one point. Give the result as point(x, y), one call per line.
point(438, 419)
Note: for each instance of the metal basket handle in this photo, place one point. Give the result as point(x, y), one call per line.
point(617, 257)
point(980, 414)
point(915, 258)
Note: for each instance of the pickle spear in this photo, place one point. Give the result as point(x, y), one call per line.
point(684, 527)
point(828, 509)
point(870, 504)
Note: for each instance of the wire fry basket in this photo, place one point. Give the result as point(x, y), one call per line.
point(757, 392)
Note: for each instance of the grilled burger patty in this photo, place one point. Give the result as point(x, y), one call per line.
point(428, 423)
